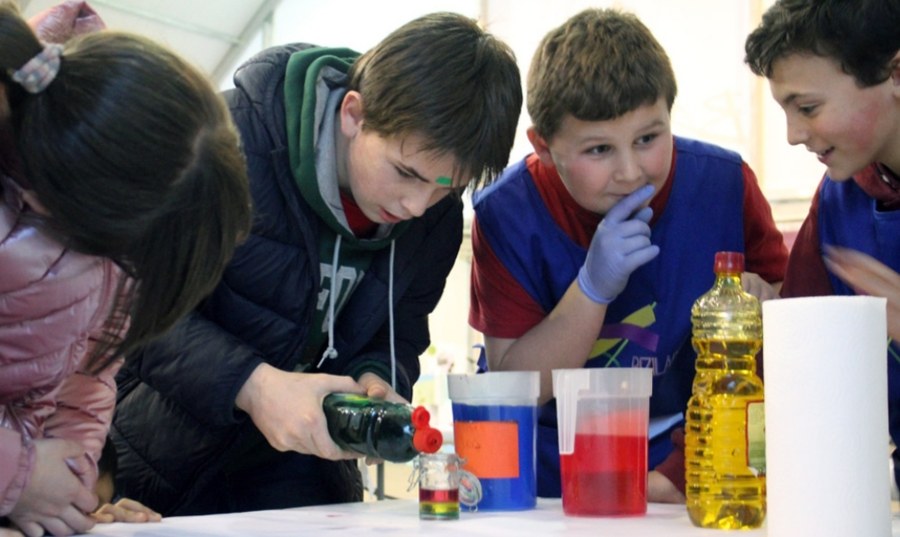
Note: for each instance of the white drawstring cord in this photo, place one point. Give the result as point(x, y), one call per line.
point(391, 318)
point(331, 352)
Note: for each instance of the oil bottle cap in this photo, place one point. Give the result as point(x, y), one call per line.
point(729, 263)
point(427, 440)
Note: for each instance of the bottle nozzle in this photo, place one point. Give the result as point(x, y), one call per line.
point(427, 440)
point(420, 417)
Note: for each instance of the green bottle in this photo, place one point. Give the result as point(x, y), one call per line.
point(380, 429)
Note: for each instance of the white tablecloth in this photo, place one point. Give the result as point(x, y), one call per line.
point(401, 517)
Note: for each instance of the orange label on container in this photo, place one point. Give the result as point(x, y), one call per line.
point(490, 448)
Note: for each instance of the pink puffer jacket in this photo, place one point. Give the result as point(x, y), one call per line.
point(53, 304)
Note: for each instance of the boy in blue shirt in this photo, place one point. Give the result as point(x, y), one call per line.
point(834, 67)
point(572, 268)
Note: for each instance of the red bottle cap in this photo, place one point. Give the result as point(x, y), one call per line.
point(729, 263)
point(427, 440)
point(420, 417)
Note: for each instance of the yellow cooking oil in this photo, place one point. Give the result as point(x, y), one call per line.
point(725, 431)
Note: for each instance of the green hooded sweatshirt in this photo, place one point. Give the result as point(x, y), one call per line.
point(315, 83)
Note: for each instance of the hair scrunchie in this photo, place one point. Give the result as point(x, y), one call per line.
point(40, 70)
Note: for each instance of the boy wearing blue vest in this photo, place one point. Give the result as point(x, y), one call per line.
point(834, 67)
point(590, 251)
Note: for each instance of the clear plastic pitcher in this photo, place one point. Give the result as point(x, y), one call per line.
point(603, 417)
point(495, 432)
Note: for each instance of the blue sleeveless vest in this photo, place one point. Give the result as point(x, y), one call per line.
point(848, 217)
point(648, 325)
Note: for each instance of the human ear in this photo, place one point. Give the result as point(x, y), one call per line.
point(895, 70)
point(30, 198)
point(351, 113)
point(541, 147)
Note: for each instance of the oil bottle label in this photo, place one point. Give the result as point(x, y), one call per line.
point(756, 436)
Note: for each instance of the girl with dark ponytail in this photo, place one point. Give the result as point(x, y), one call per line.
point(123, 194)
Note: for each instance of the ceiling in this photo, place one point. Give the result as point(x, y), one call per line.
point(210, 33)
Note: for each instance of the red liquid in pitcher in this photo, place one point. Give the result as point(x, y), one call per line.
point(605, 476)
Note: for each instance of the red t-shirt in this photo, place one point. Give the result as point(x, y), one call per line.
point(359, 224)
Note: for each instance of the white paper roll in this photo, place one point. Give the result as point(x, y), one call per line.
point(826, 417)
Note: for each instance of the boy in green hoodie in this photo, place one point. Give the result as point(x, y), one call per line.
point(356, 165)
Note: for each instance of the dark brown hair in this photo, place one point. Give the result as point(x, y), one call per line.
point(442, 77)
point(863, 36)
point(598, 65)
point(134, 155)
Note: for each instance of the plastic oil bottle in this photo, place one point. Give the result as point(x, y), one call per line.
point(377, 428)
point(725, 432)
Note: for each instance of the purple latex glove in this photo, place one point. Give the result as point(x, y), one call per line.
point(620, 245)
point(63, 21)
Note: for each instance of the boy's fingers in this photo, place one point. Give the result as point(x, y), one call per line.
point(861, 271)
point(629, 204)
point(644, 215)
point(102, 517)
point(138, 507)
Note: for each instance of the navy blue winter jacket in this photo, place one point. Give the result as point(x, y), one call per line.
point(176, 427)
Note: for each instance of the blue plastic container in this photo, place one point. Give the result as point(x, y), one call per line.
point(494, 430)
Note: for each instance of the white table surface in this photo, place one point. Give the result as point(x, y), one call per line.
point(400, 518)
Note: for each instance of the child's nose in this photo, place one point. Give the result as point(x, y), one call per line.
point(797, 132)
point(629, 168)
point(417, 202)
